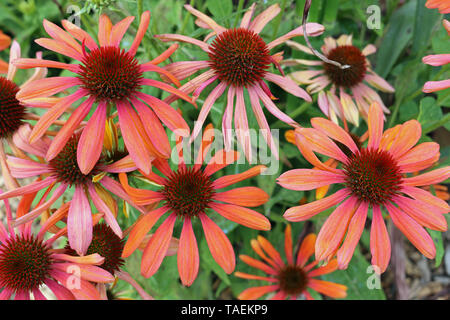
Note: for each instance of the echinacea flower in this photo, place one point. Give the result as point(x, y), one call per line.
point(12, 111)
point(5, 41)
point(374, 176)
point(60, 174)
point(442, 5)
point(342, 93)
point(238, 59)
point(291, 279)
point(110, 78)
point(187, 193)
point(110, 246)
point(28, 262)
point(437, 60)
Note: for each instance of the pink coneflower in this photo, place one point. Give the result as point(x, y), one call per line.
point(108, 76)
point(28, 261)
point(291, 279)
point(12, 111)
point(238, 59)
point(188, 193)
point(342, 93)
point(373, 176)
point(110, 246)
point(437, 60)
point(58, 175)
point(442, 5)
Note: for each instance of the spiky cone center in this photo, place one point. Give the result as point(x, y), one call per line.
point(25, 263)
point(12, 111)
point(373, 176)
point(292, 280)
point(65, 166)
point(346, 55)
point(107, 244)
point(240, 57)
point(110, 74)
point(188, 192)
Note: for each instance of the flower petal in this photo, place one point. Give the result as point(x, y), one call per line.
point(244, 216)
point(188, 256)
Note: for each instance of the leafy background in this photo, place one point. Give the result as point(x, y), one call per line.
point(408, 31)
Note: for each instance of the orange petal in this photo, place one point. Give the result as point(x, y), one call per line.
point(244, 196)
point(380, 245)
point(226, 181)
point(157, 247)
point(355, 229)
point(247, 217)
point(140, 229)
point(333, 230)
point(308, 179)
point(330, 289)
point(256, 292)
point(306, 250)
point(418, 236)
point(188, 257)
point(218, 243)
point(375, 123)
point(306, 211)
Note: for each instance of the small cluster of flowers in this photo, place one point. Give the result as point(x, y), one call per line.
point(80, 172)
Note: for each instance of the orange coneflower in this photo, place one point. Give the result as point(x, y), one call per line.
point(291, 279)
point(330, 81)
point(28, 262)
point(238, 59)
point(442, 5)
point(107, 76)
point(437, 60)
point(188, 193)
point(373, 176)
point(64, 173)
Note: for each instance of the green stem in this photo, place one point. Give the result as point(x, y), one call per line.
point(186, 18)
point(239, 8)
point(140, 9)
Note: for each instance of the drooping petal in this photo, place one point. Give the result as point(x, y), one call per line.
point(84, 290)
point(288, 85)
point(188, 256)
point(79, 222)
point(333, 230)
point(380, 245)
point(91, 140)
point(135, 137)
point(140, 229)
point(157, 247)
point(218, 243)
point(355, 229)
point(313, 29)
point(427, 198)
point(418, 236)
point(331, 266)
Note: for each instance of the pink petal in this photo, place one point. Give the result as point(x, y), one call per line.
point(188, 257)
point(79, 222)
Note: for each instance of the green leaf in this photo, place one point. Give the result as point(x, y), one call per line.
point(220, 8)
point(425, 21)
point(399, 32)
point(208, 262)
point(360, 279)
